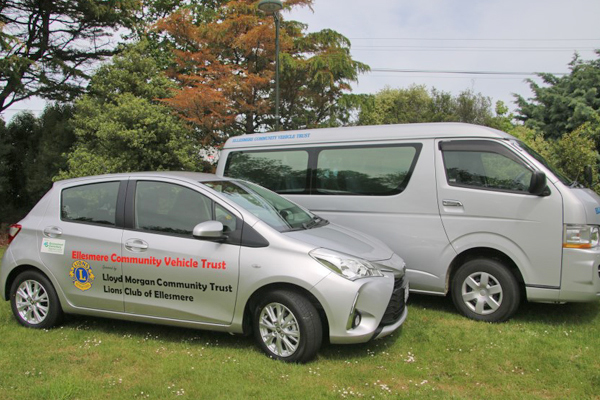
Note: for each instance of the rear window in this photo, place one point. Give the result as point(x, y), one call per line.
point(280, 171)
point(350, 170)
point(95, 203)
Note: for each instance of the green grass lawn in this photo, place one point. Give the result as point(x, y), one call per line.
point(545, 352)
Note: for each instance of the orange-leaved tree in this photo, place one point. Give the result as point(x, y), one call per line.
point(225, 70)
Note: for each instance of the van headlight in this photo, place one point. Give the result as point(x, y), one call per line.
point(345, 265)
point(581, 236)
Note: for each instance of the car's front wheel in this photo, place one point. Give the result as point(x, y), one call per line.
point(287, 327)
point(34, 301)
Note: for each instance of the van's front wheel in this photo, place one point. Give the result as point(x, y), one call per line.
point(485, 290)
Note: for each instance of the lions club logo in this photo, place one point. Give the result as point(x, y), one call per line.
point(82, 275)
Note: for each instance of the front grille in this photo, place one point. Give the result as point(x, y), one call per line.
point(395, 308)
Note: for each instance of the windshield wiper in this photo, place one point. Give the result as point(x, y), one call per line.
point(314, 222)
point(576, 185)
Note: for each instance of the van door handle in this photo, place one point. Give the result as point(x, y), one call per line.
point(52, 231)
point(136, 245)
point(451, 203)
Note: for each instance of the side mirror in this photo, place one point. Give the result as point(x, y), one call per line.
point(537, 185)
point(210, 230)
point(588, 176)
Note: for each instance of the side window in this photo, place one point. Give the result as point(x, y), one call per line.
point(280, 171)
point(229, 221)
point(169, 208)
point(485, 165)
point(94, 203)
point(377, 171)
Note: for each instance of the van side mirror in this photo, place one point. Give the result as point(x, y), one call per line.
point(537, 185)
point(588, 176)
point(209, 230)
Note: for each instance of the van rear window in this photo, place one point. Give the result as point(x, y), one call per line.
point(349, 170)
point(283, 172)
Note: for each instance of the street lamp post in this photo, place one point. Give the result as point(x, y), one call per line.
point(273, 7)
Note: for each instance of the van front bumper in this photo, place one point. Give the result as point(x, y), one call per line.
point(580, 275)
point(580, 279)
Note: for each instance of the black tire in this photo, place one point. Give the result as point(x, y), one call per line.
point(34, 301)
point(299, 339)
point(485, 290)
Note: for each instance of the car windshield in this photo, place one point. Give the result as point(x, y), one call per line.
point(270, 207)
point(542, 160)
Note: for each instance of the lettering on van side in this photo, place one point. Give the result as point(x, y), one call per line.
point(255, 138)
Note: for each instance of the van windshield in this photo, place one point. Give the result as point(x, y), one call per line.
point(273, 209)
point(542, 160)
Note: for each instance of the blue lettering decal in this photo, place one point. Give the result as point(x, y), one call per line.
point(253, 138)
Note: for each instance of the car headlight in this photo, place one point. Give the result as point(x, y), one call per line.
point(581, 236)
point(345, 265)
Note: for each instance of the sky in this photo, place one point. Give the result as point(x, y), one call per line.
point(500, 36)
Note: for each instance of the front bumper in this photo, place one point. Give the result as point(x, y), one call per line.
point(580, 279)
point(580, 275)
point(379, 301)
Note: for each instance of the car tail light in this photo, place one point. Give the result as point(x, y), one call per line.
point(13, 231)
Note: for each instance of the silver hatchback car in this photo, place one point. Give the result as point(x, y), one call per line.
point(199, 251)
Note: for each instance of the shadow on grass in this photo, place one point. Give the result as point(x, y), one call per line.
point(148, 331)
point(142, 332)
point(554, 314)
point(558, 314)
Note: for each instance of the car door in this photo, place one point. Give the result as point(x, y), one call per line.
point(167, 272)
point(81, 243)
point(484, 201)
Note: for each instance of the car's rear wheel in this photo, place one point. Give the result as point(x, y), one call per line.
point(485, 290)
point(34, 301)
point(287, 327)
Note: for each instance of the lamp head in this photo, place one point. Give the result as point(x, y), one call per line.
point(270, 6)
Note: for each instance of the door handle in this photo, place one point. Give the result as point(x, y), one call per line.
point(136, 245)
point(451, 203)
point(52, 231)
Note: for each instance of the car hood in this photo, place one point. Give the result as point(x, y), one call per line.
point(344, 240)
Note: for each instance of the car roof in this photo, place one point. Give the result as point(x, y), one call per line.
point(441, 130)
point(183, 175)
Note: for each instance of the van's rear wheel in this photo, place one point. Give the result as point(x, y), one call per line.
point(485, 290)
point(287, 327)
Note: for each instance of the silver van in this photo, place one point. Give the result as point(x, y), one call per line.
point(194, 250)
point(473, 211)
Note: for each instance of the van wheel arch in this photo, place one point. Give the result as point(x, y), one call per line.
point(260, 293)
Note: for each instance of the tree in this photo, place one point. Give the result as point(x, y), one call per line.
point(417, 104)
point(121, 126)
point(570, 154)
point(47, 46)
point(563, 104)
point(225, 70)
point(31, 152)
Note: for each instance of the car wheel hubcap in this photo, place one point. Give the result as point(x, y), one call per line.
point(32, 302)
point(279, 329)
point(482, 293)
